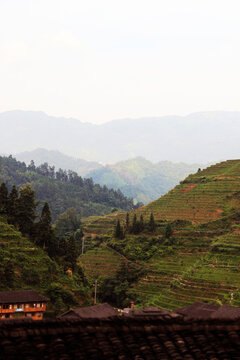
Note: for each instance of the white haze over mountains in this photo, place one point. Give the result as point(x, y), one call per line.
point(100, 60)
point(199, 137)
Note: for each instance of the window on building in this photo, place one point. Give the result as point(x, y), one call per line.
point(5, 306)
point(28, 314)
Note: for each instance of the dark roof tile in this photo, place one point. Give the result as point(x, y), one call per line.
point(21, 296)
point(101, 311)
point(121, 338)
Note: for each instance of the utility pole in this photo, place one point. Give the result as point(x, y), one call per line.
point(82, 245)
point(95, 292)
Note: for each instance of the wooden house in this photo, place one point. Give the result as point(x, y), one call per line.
point(22, 304)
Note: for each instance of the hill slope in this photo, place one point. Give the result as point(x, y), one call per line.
point(62, 189)
point(200, 260)
point(23, 265)
point(199, 137)
point(59, 160)
point(204, 196)
point(142, 180)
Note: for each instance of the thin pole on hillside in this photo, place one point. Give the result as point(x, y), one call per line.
point(82, 245)
point(95, 292)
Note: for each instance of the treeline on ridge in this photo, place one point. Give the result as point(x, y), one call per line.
point(63, 189)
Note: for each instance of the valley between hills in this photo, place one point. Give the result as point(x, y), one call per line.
point(183, 247)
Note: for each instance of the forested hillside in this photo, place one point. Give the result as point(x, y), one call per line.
point(59, 160)
point(33, 257)
point(63, 189)
point(141, 179)
point(187, 243)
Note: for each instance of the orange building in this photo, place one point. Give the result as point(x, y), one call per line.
point(21, 304)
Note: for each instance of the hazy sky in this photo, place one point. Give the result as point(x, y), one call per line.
point(99, 60)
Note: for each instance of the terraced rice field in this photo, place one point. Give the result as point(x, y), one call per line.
point(202, 203)
point(100, 262)
point(101, 224)
point(202, 197)
point(203, 264)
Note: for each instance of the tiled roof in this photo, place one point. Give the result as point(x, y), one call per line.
point(21, 296)
point(101, 311)
point(125, 338)
point(148, 311)
point(200, 310)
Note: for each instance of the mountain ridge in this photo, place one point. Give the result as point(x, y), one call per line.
point(137, 178)
point(198, 137)
point(59, 160)
point(141, 179)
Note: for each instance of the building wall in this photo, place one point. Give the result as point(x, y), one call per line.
point(18, 311)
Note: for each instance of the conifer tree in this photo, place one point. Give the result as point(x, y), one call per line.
point(3, 199)
point(141, 224)
point(12, 205)
point(72, 252)
point(151, 224)
point(26, 210)
point(127, 221)
point(134, 225)
point(118, 233)
point(45, 232)
point(168, 231)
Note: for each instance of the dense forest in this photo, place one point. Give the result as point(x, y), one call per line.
point(63, 189)
point(36, 255)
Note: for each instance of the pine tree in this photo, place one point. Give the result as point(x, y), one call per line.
point(12, 205)
point(118, 233)
point(45, 232)
point(72, 252)
point(141, 224)
point(26, 210)
point(151, 224)
point(3, 199)
point(134, 229)
point(168, 231)
point(127, 221)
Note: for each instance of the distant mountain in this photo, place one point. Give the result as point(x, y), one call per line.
point(59, 160)
point(142, 180)
point(198, 137)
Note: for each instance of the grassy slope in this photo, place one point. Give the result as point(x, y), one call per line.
point(32, 268)
point(202, 261)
